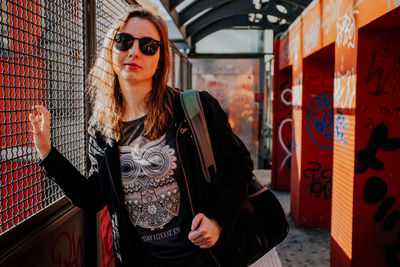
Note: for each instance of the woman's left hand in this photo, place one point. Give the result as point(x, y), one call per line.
point(205, 232)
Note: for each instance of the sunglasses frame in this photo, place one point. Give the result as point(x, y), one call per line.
point(141, 44)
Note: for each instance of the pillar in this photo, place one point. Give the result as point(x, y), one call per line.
point(313, 113)
point(366, 210)
point(282, 130)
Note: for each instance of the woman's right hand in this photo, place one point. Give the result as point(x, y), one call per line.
point(41, 130)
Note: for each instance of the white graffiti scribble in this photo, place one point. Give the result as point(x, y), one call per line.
point(287, 149)
point(282, 58)
point(283, 97)
point(294, 45)
point(345, 89)
point(311, 37)
point(330, 14)
point(346, 30)
point(297, 91)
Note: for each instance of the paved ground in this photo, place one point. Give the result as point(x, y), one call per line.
point(302, 247)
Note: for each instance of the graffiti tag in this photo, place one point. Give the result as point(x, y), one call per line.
point(287, 150)
point(366, 158)
point(395, 2)
point(320, 120)
point(311, 36)
point(373, 192)
point(294, 45)
point(321, 180)
point(346, 30)
point(378, 72)
point(345, 89)
point(66, 251)
point(297, 90)
point(284, 98)
point(341, 127)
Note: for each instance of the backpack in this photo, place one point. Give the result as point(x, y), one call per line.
point(262, 223)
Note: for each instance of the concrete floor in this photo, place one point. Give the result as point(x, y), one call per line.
point(302, 247)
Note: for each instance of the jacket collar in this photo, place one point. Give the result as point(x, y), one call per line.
point(179, 115)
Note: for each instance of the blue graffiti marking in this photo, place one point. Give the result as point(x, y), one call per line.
point(396, 3)
point(295, 146)
point(320, 120)
point(341, 127)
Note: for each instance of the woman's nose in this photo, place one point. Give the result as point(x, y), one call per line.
point(134, 51)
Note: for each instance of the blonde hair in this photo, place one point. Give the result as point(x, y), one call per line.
point(104, 89)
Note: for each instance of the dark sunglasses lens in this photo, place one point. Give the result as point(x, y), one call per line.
point(123, 42)
point(148, 46)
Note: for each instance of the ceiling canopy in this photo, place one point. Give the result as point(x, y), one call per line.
point(197, 19)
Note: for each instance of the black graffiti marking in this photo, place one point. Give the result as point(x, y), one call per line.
point(383, 209)
point(391, 220)
point(392, 255)
point(319, 187)
point(366, 158)
point(289, 161)
point(387, 110)
point(381, 80)
point(374, 190)
point(283, 85)
point(392, 252)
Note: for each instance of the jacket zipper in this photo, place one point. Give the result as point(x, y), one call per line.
point(116, 195)
point(187, 186)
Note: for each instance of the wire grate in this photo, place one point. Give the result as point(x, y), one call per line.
point(42, 62)
point(106, 14)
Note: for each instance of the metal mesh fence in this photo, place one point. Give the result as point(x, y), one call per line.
point(106, 14)
point(42, 55)
point(181, 70)
point(42, 62)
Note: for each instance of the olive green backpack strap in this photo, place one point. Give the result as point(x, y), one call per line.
point(191, 105)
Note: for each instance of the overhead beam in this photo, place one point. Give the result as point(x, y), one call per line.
point(297, 3)
point(196, 8)
point(172, 12)
point(228, 14)
point(234, 21)
point(227, 10)
point(170, 4)
point(175, 3)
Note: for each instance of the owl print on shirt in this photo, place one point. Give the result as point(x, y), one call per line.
point(152, 195)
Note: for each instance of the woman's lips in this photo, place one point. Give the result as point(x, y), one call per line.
point(132, 66)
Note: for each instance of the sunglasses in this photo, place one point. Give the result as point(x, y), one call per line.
point(147, 45)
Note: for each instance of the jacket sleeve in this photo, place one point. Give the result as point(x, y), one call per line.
point(84, 192)
point(234, 164)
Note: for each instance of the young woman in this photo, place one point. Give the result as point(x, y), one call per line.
point(144, 164)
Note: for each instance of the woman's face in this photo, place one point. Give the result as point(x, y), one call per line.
point(132, 65)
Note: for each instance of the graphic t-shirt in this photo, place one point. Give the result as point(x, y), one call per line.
point(155, 194)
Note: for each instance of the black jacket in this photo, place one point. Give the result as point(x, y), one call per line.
point(222, 199)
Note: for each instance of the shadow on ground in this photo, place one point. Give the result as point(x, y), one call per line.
point(302, 247)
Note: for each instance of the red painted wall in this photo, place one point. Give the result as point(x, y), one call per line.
point(377, 176)
point(59, 244)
